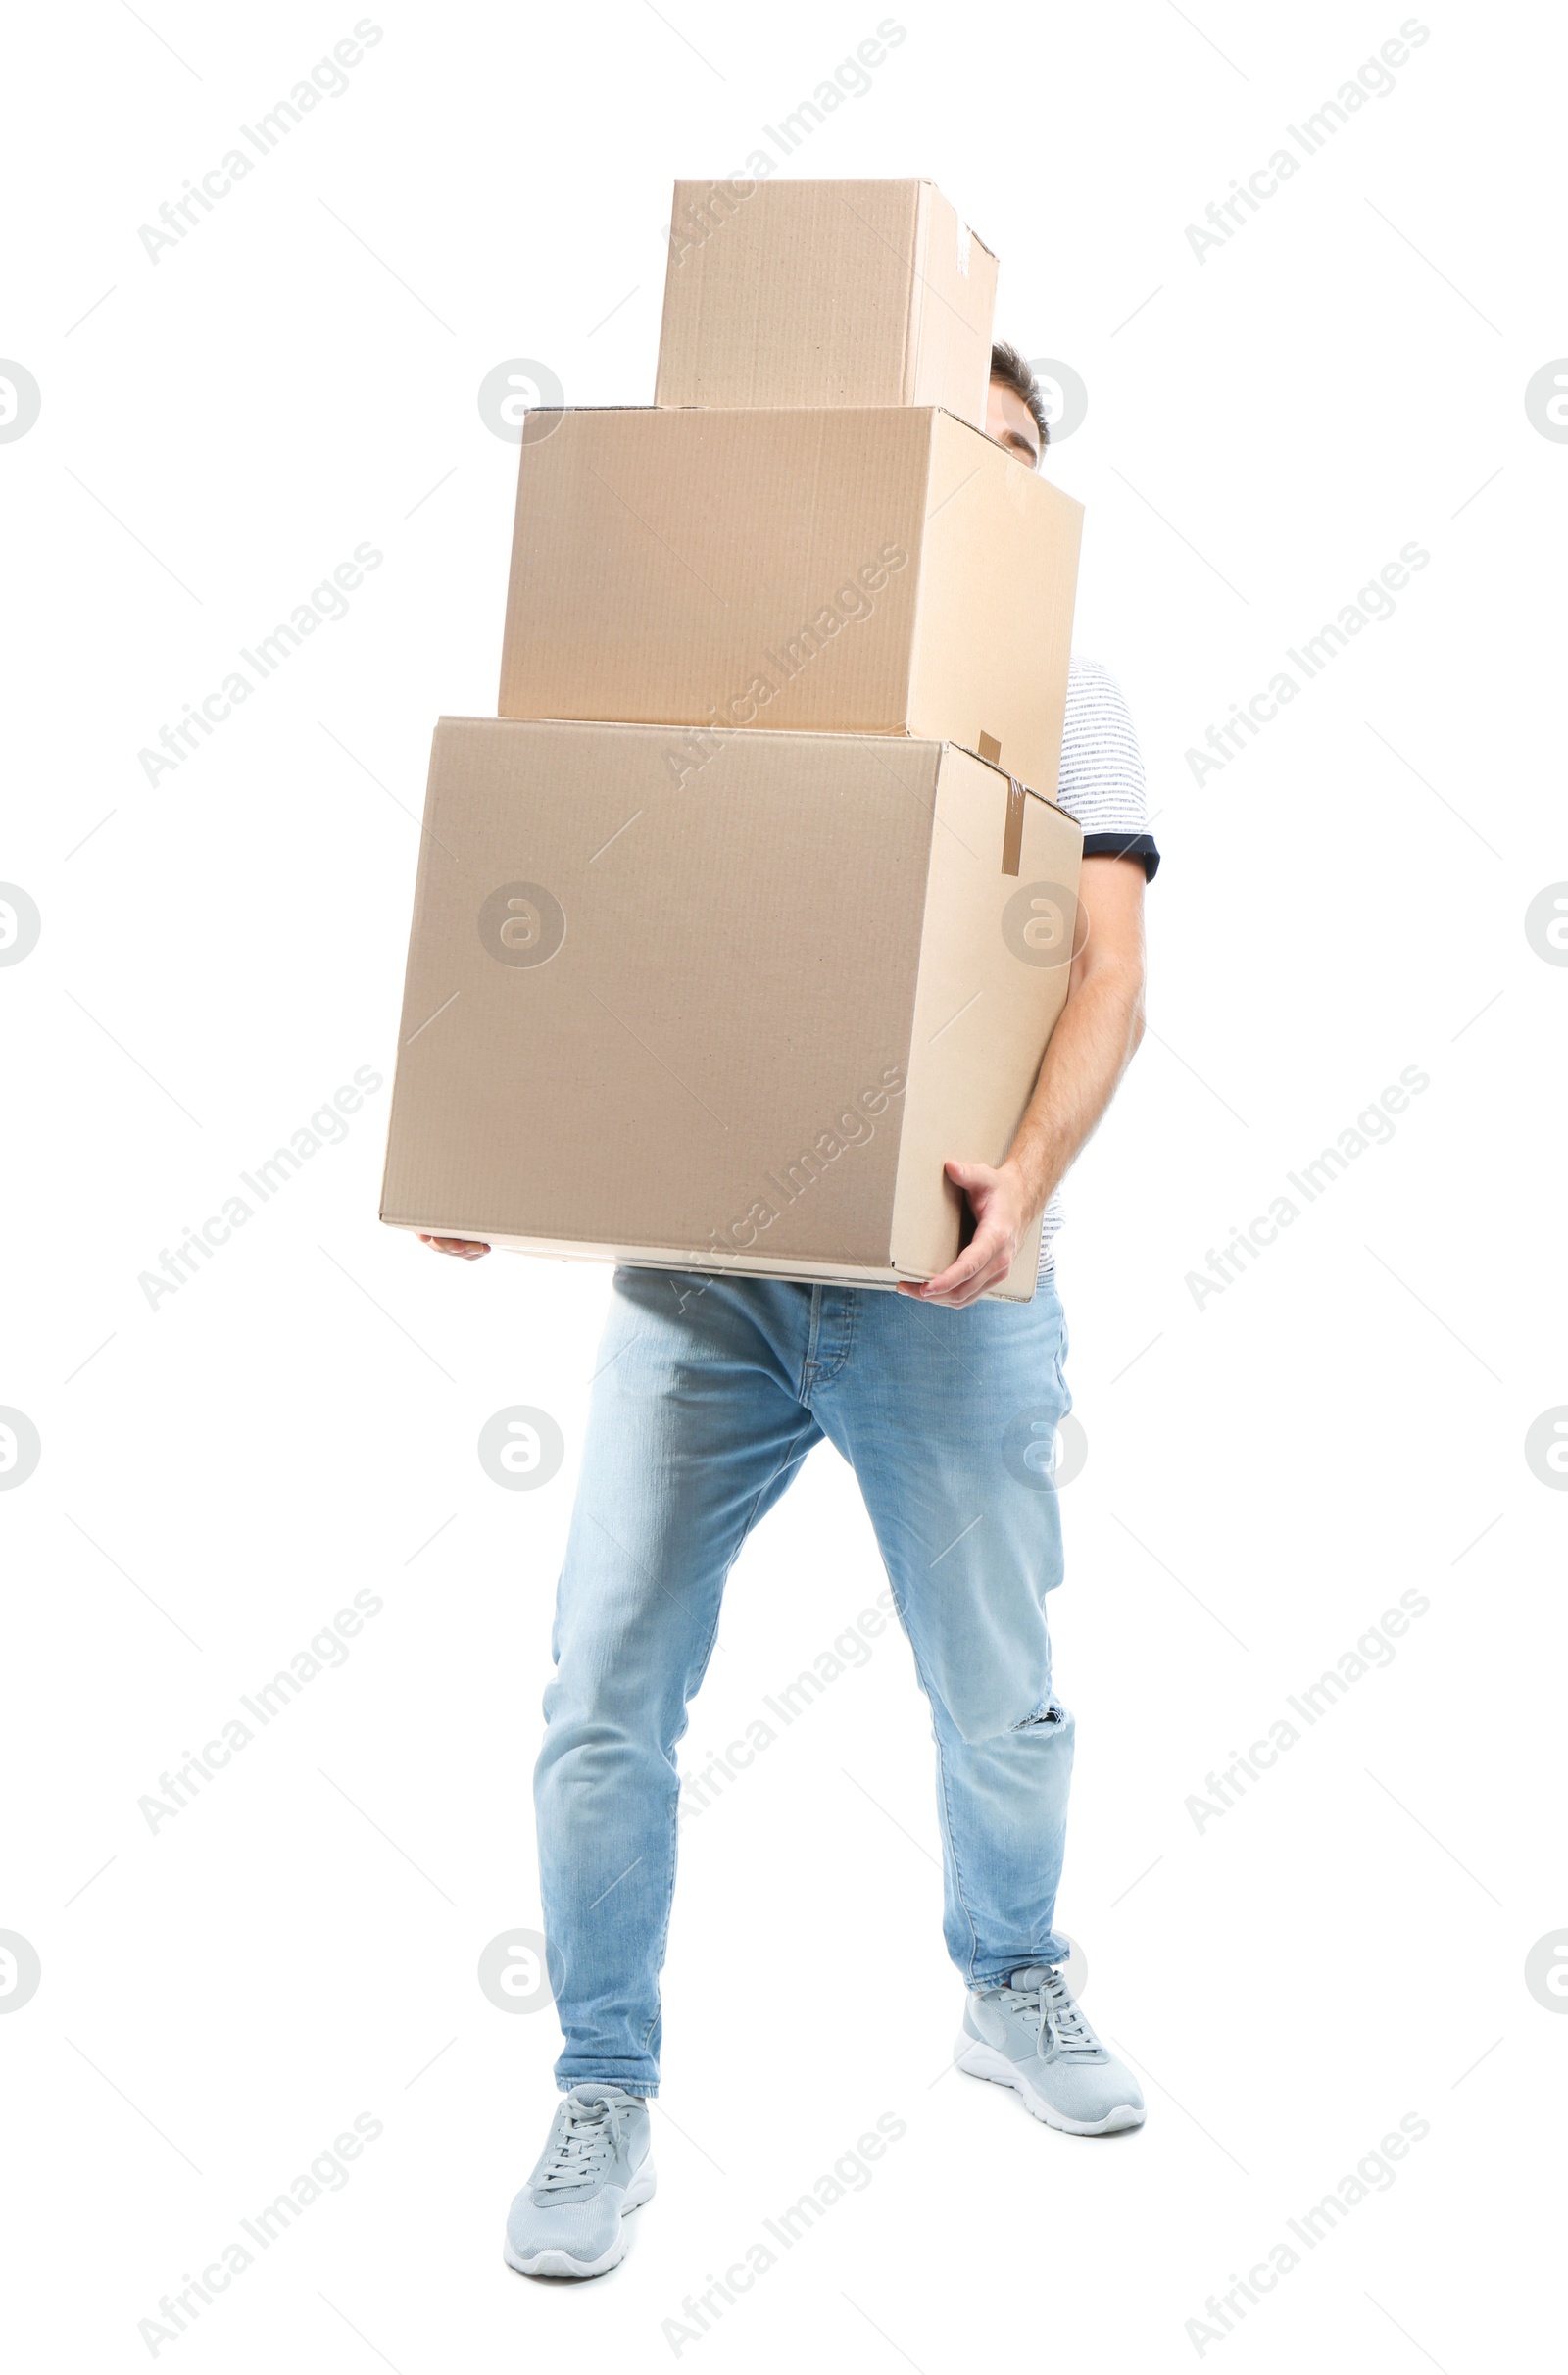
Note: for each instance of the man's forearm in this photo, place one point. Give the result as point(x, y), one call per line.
point(1099, 1027)
point(1090, 1048)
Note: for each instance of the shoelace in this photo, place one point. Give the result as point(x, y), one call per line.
point(1057, 2017)
point(589, 2133)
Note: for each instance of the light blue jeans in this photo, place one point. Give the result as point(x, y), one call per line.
point(708, 1395)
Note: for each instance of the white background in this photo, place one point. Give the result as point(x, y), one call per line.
point(1267, 427)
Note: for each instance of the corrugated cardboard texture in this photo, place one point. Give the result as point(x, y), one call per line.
point(955, 300)
point(737, 975)
point(780, 569)
point(999, 573)
point(983, 1012)
point(830, 293)
point(663, 563)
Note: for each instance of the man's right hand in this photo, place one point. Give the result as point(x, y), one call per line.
point(467, 1249)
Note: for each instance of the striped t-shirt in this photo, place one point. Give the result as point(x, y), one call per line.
point(1101, 785)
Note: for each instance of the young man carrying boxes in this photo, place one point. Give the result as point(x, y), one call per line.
point(945, 1395)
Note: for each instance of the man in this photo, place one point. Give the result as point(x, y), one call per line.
point(710, 1393)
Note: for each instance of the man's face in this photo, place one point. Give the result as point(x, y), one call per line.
point(1010, 424)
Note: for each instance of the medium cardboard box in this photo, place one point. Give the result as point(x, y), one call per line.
point(887, 571)
point(737, 1026)
point(824, 293)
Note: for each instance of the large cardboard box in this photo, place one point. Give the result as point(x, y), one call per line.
point(887, 571)
point(733, 1026)
point(824, 293)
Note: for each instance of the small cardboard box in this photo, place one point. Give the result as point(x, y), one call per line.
point(884, 571)
point(736, 1025)
point(827, 293)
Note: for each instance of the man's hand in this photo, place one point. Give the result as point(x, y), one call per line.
point(1001, 1212)
point(1090, 1048)
point(467, 1249)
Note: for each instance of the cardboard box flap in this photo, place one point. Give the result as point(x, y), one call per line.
point(948, 362)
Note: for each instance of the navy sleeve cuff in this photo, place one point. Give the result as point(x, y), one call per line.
point(1125, 845)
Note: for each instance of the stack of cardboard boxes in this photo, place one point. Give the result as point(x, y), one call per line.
point(752, 905)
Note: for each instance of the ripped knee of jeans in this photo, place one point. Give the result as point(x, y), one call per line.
point(1044, 1718)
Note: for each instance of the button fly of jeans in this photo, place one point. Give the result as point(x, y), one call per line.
point(834, 1334)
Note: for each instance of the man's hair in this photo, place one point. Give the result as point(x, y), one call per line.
point(1009, 367)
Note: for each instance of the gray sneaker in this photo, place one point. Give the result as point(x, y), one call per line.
point(568, 2220)
point(1031, 2035)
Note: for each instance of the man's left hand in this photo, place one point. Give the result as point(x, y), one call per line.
point(1002, 1215)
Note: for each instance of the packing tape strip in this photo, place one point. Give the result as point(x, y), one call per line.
point(1013, 831)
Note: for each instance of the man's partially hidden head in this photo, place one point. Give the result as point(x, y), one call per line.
point(1015, 411)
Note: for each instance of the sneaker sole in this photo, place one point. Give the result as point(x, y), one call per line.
point(551, 2262)
point(984, 2062)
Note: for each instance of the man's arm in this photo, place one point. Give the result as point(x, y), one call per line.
point(1090, 1048)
